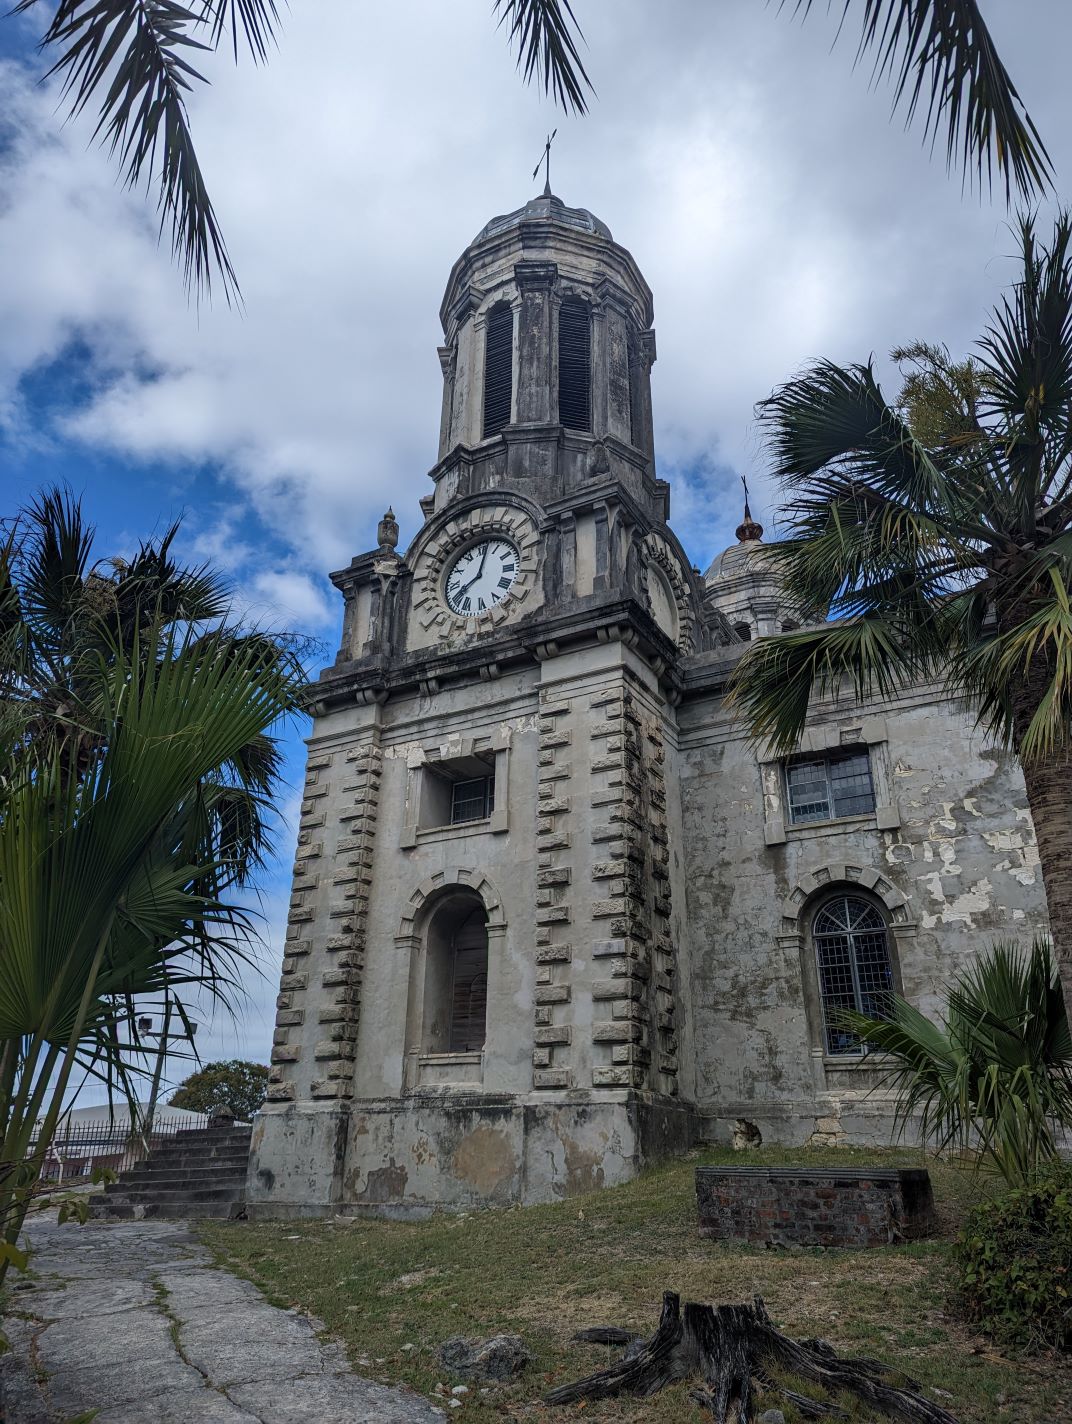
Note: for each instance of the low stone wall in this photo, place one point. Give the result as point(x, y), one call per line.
point(814, 1206)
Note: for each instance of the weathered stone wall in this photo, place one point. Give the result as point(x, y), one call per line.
point(804, 1206)
point(949, 854)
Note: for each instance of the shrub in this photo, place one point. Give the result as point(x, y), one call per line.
point(1014, 1264)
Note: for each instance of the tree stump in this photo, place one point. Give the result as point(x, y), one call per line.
point(730, 1349)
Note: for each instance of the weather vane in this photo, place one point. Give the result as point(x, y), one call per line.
point(545, 159)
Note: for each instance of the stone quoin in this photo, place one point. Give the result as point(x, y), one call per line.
point(553, 915)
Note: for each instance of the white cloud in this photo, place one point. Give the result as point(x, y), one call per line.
point(774, 210)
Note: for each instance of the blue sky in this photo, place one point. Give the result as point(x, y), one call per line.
point(775, 211)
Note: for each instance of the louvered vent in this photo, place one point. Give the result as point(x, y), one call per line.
point(498, 370)
point(575, 365)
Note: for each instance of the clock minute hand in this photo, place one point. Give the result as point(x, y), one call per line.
point(480, 570)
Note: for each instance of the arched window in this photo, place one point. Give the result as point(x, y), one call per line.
point(852, 950)
point(456, 976)
point(789, 626)
point(743, 631)
point(575, 364)
point(498, 369)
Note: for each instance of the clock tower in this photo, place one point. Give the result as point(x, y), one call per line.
point(481, 992)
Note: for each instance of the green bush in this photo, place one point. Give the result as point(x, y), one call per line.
point(1014, 1264)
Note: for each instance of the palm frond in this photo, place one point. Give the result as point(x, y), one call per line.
point(774, 683)
point(1027, 356)
point(1036, 646)
point(546, 34)
point(831, 430)
point(256, 21)
point(941, 60)
point(997, 1076)
point(59, 543)
point(134, 57)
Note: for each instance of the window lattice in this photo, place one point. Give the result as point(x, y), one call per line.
point(575, 364)
point(824, 788)
point(472, 800)
point(855, 972)
point(498, 370)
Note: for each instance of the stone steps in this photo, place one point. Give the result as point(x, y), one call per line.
point(198, 1172)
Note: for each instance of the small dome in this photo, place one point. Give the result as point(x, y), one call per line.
point(545, 208)
point(731, 561)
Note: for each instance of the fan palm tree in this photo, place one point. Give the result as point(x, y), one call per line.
point(938, 538)
point(136, 776)
point(996, 1076)
point(65, 617)
point(135, 61)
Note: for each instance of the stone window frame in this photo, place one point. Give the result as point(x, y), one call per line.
point(830, 737)
point(808, 894)
point(418, 765)
point(422, 1071)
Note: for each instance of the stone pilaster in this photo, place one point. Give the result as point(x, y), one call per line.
point(621, 1029)
point(344, 962)
point(291, 1002)
point(553, 1028)
point(536, 355)
point(319, 1003)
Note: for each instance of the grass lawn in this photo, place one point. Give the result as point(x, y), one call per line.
point(605, 1259)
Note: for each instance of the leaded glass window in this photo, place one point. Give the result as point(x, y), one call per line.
point(855, 972)
point(825, 788)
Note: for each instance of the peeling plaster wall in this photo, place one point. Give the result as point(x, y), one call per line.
point(962, 857)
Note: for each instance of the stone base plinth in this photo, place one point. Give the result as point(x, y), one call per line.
point(814, 1206)
point(456, 1151)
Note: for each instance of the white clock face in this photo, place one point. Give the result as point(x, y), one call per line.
point(482, 576)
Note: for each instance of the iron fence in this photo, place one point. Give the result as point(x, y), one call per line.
point(79, 1147)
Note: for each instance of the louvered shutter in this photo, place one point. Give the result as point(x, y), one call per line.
point(469, 996)
point(498, 370)
point(575, 365)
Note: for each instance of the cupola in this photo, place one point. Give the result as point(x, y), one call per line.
point(548, 349)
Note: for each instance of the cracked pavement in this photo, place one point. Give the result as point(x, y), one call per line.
point(132, 1319)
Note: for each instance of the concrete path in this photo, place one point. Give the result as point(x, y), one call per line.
point(132, 1319)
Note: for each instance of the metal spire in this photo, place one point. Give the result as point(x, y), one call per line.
point(545, 160)
point(748, 530)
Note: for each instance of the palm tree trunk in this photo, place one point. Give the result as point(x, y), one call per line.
point(1049, 795)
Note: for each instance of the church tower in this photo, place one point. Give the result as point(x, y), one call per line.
point(481, 995)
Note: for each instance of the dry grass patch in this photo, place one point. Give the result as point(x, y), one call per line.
point(544, 1272)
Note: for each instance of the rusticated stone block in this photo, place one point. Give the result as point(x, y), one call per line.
point(553, 994)
point(617, 1078)
point(552, 1034)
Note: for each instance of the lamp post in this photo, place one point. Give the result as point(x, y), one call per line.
point(145, 1028)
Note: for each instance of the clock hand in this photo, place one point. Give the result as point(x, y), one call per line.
point(479, 571)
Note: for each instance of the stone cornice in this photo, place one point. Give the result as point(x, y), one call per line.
point(527, 640)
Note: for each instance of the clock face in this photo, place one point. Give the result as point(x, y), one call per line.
point(482, 576)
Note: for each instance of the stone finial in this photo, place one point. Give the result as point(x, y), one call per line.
point(387, 531)
point(748, 531)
